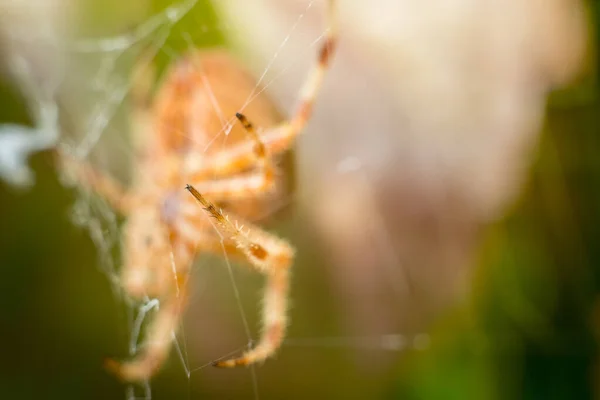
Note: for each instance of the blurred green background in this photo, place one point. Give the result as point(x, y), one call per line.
point(529, 328)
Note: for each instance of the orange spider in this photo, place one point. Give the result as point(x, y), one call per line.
point(166, 228)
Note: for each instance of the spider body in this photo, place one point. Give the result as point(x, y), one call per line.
point(192, 117)
point(188, 127)
point(184, 139)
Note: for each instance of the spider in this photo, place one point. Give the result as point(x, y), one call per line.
point(166, 227)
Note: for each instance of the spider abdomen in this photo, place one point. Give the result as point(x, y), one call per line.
point(197, 99)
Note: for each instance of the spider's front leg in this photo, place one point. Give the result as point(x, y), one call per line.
point(272, 257)
point(157, 267)
point(90, 178)
point(157, 348)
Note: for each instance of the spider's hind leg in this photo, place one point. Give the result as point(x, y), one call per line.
point(243, 185)
point(280, 138)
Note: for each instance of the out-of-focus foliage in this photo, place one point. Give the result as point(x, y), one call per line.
point(529, 328)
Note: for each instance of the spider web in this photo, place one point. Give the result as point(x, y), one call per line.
point(94, 126)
